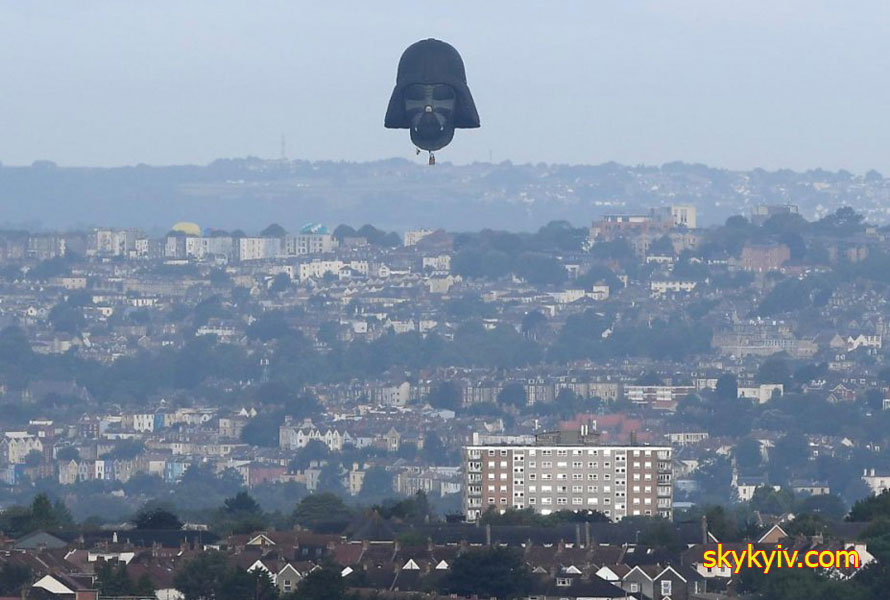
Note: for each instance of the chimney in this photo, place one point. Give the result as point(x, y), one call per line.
point(365, 545)
point(577, 535)
point(587, 534)
point(429, 544)
point(488, 534)
point(872, 472)
point(704, 529)
point(560, 546)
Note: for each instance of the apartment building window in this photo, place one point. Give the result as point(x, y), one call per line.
point(491, 452)
point(491, 464)
point(648, 464)
point(562, 453)
point(563, 582)
point(607, 501)
point(593, 501)
point(606, 476)
point(593, 452)
point(636, 452)
point(503, 488)
point(546, 452)
point(577, 489)
point(562, 501)
point(647, 453)
point(491, 488)
point(592, 476)
point(636, 489)
point(636, 465)
point(546, 500)
point(546, 488)
point(577, 476)
point(576, 452)
point(636, 476)
point(562, 488)
point(532, 489)
point(592, 465)
point(532, 500)
point(491, 475)
point(503, 453)
point(577, 464)
point(532, 464)
point(547, 476)
point(666, 587)
point(503, 476)
point(503, 500)
point(491, 500)
point(546, 464)
point(532, 452)
point(532, 476)
point(647, 476)
point(576, 500)
point(592, 489)
point(607, 465)
point(561, 476)
point(503, 464)
point(561, 464)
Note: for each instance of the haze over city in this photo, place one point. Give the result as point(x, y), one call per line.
point(391, 301)
point(797, 84)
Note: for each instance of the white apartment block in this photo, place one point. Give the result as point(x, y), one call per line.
point(660, 288)
point(310, 243)
point(317, 269)
point(414, 236)
point(257, 248)
point(618, 481)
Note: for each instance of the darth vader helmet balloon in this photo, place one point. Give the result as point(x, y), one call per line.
point(431, 97)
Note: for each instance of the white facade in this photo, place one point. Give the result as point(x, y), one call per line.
point(414, 236)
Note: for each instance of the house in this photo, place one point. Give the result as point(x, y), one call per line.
point(574, 587)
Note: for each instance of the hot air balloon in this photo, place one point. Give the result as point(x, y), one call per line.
point(431, 97)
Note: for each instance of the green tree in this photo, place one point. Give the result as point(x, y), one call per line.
point(321, 584)
point(202, 577)
point(321, 511)
point(872, 508)
point(747, 455)
point(238, 584)
point(13, 578)
point(446, 395)
point(727, 387)
point(513, 394)
point(489, 572)
point(156, 517)
point(377, 483)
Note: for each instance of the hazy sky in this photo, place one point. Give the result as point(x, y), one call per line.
point(788, 83)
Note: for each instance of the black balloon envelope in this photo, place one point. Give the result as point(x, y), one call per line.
point(431, 97)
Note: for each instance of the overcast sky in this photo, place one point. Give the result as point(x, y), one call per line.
point(788, 83)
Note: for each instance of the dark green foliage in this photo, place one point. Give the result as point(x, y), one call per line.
point(513, 394)
point(322, 511)
point(747, 455)
point(13, 578)
point(156, 517)
point(322, 584)
point(872, 508)
point(727, 387)
point(489, 572)
point(445, 394)
point(377, 483)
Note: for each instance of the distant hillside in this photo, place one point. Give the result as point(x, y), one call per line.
point(397, 194)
